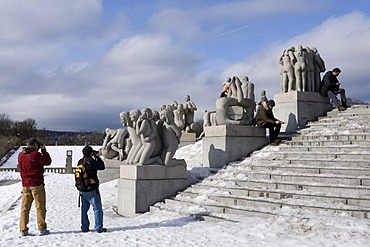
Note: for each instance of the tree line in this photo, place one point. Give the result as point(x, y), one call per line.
point(15, 133)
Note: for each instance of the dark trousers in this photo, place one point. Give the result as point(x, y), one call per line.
point(274, 130)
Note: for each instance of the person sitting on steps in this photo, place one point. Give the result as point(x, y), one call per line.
point(330, 87)
point(265, 119)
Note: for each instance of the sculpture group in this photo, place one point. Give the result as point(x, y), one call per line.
point(301, 68)
point(150, 137)
point(235, 106)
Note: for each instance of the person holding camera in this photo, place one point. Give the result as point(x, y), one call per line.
point(93, 163)
point(31, 166)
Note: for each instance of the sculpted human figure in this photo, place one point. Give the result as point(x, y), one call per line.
point(114, 143)
point(247, 88)
point(156, 116)
point(236, 89)
point(318, 66)
point(263, 98)
point(147, 130)
point(125, 120)
point(310, 70)
point(300, 68)
point(134, 154)
point(287, 60)
point(189, 108)
point(179, 114)
point(171, 135)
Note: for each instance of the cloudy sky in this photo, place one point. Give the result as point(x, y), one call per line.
point(76, 64)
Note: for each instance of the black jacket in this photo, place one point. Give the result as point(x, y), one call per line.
point(92, 167)
point(329, 83)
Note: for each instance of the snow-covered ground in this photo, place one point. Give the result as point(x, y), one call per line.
point(164, 228)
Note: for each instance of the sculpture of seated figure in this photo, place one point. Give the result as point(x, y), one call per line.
point(114, 143)
point(134, 154)
point(147, 130)
point(125, 121)
point(171, 135)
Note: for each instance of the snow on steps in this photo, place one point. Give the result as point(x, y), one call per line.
point(314, 172)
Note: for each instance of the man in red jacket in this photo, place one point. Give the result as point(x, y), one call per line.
point(31, 165)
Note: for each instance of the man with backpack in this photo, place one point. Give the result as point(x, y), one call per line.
point(31, 166)
point(87, 183)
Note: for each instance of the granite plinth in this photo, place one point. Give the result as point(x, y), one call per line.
point(225, 143)
point(140, 187)
point(187, 139)
point(297, 108)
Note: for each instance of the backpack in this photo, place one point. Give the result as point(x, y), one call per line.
point(82, 180)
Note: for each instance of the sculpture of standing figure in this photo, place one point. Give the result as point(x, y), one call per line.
point(310, 70)
point(248, 88)
point(287, 60)
point(190, 109)
point(318, 66)
point(263, 98)
point(300, 68)
point(171, 135)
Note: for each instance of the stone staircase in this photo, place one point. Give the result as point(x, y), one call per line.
point(324, 168)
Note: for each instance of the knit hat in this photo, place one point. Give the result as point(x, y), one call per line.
point(271, 103)
point(33, 141)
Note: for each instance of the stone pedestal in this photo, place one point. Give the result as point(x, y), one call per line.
point(298, 108)
point(111, 170)
point(225, 143)
point(142, 186)
point(186, 139)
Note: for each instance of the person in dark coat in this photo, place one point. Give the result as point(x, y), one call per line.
point(330, 87)
point(93, 163)
point(265, 119)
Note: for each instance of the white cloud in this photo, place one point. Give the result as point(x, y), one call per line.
point(341, 41)
point(22, 20)
point(70, 78)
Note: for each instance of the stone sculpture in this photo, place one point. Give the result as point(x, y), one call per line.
point(114, 144)
point(237, 107)
point(134, 154)
point(171, 135)
point(301, 68)
point(147, 130)
point(189, 108)
point(287, 60)
point(149, 138)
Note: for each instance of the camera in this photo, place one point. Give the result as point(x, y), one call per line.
point(96, 153)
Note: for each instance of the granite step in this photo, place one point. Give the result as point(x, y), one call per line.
point(260, 207)
point(318, 162)
point(351, 171)
point(363, 201)
point(357, 190)
point(327, 149)
point(324, 143)
point(334, 137)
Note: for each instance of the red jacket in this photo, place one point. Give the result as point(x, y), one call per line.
point(31, 165)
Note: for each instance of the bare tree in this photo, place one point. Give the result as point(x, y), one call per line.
point(5, 124)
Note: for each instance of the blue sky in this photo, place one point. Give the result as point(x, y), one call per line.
point(76, 64)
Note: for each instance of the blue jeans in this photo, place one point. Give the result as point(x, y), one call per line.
point(91, 198)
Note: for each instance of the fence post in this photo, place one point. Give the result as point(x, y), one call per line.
point(69, 162)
